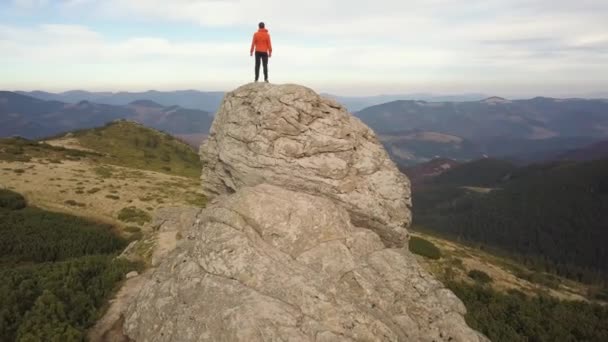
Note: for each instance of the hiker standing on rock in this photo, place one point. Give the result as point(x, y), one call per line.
point(263, 50)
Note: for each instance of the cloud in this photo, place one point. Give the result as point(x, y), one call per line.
point(397, 43)
point(426, 24)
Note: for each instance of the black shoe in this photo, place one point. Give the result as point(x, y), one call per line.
point(266, 81)
point(256, 81)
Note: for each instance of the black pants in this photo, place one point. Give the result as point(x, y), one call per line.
point(261, 56)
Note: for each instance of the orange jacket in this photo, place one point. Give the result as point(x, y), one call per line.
point(261, 42)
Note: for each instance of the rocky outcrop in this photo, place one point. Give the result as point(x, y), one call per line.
point(269, 264)
point(287, 251)
point(289, 136)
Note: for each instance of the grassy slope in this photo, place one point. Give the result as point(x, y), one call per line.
point(509, 302)
point(457, 260)
point(99, 172)
point(129, 144)
point(119, 174)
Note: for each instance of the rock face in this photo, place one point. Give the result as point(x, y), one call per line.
point(289, 136)
point(287, 251)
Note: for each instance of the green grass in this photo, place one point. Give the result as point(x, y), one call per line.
point(132, 145)
point(133, 214)
point(424, 247)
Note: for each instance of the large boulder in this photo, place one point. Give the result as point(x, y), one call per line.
point(304, 240)
point(271, 264)
point(289, 136)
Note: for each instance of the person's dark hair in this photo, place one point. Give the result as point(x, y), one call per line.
point(261, 25)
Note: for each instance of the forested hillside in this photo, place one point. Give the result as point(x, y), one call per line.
point(551, 216)
point(515, 317)
point(57, 272)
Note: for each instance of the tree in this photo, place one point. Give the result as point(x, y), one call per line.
point(47, 321)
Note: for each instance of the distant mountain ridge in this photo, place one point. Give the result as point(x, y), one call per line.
point(491, 118)
point(522, 130)
point(357, 103)
point(34, 118)
point(210, 100)
point(201, 100)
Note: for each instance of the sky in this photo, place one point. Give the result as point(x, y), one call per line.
point(347, 47)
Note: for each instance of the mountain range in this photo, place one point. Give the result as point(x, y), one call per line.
point(205, 101)
point(210, 101)
point(522, 130)
point(413, 131)
point(357, 103)
point(34, 118)
point(492, 118)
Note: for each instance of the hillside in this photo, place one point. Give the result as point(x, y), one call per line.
point(414, 147)
point(509, 301)
point(129, 144)
point(486, 172)
point(549, 216)
point(121, 168)
point(425, 171)
point(595, 151)
point(58, 272)
point(29, 117)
